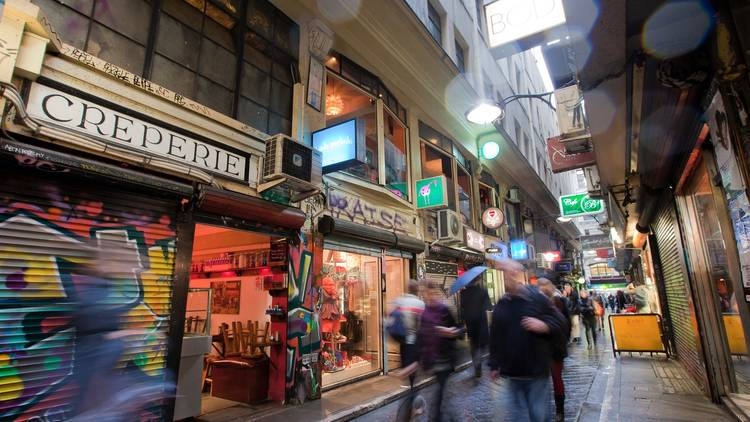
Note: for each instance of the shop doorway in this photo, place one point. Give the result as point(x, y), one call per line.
point(234, 274)
point(715, 272)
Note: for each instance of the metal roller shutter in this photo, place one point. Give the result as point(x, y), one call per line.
point(674, 281)
point(54, 230)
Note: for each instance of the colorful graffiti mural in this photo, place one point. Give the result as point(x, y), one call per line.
point(80, 274)
point(303, 329)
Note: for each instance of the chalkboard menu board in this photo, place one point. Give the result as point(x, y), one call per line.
point(437, 267)
point(278, 253)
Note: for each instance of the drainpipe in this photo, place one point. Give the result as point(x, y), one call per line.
point(647, 204)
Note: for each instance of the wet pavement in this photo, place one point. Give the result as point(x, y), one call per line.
point(471, 399)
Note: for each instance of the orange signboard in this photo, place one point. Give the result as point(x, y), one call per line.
point(637, 333)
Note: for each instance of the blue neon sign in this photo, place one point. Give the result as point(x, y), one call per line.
point(518, 249)
point(340, 145)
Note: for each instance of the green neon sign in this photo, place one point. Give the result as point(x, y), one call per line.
point(432, 192)
point(579, 204)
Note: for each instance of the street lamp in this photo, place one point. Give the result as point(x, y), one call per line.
point(487, 111)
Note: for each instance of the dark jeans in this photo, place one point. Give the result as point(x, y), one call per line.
point(590, 325)
point(530, 399)
point(442, 379)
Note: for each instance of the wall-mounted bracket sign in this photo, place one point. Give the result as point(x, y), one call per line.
point(579, 204)
point(432, 192)
point(493, 218)
point(474, 239)
point(519, 250)
point(129, 130)
point(341, 145)
point(511, 20)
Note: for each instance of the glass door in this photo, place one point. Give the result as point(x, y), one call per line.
point(713, 269)
point(350, 316)
point(396, 272)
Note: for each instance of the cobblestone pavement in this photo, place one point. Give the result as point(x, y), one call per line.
point(470, 399)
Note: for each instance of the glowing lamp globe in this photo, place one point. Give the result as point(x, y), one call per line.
point(490, 150)
point(485, 113)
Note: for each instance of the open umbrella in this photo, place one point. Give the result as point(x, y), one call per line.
point(466, 278)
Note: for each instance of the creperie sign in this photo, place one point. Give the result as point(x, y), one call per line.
point(61, 109)
point(510, 20)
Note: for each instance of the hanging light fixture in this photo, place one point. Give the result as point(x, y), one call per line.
point(334, 103)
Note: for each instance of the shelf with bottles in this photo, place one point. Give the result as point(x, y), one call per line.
point(235, 261)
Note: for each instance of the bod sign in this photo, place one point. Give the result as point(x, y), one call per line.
point(510, 20)
point(61, 109)
point(579, 204)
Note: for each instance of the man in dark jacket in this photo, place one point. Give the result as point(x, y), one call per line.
point(475, 302)
point(525, 329)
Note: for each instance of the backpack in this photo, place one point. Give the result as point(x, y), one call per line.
point(396, 327)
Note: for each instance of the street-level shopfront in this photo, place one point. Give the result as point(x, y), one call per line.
point(365, 264)
point(111, 218)
point(706, 293)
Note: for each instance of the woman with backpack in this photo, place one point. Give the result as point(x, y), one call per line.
point(403, 326)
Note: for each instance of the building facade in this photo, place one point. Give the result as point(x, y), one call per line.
point(142, 129)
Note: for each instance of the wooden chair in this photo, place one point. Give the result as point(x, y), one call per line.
point(258, 338)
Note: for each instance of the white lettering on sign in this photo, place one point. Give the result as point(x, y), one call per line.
point(62, 109)
point(346, 206)
point(510, 20)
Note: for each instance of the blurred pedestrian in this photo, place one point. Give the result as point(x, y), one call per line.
point(525, 329)
point(560, 350)
point(588, 316)
point(403, 325)
point(436, 339)
point(621, 301)
point(611, 302)
point(575, 313)
point(475, 302)
point(599, 310)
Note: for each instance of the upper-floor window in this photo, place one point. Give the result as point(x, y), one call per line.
point(438, 163)
point(480, 15)
point(460, 60)
point(233, 56)
point(345, 101)
point(465, 201)
point(434, 24)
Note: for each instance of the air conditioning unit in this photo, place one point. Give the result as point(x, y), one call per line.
point(291, 164)
point(450, 228)
point(513, 196)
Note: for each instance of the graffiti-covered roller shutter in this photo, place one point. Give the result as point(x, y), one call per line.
point(679, 301)
point(80, 258)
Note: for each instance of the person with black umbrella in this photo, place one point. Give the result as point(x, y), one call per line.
point(475, 302)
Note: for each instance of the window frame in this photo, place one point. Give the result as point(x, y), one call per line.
point(452, 159)
point(460, 56)
point(282, 42)
point(472, 208)
point(380, 112)
point(432, 10)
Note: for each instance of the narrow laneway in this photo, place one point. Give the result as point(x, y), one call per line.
point(599, 387)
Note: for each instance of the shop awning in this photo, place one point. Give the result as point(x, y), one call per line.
point(329, 226)
point(466, 256)
point(231, 204)
point(49, 160)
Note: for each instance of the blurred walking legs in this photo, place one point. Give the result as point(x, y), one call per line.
point(559, 388)
point(590, 326)
point(528, 398)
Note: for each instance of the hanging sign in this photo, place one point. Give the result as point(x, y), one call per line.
point(493, 218)
point(561, 161)
point(552, 256)
point(432, 192)
point(474, 239)
point(563, 267)
point(579, 204)
point(124, 130)
point(511, 20)
point(341, 146)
